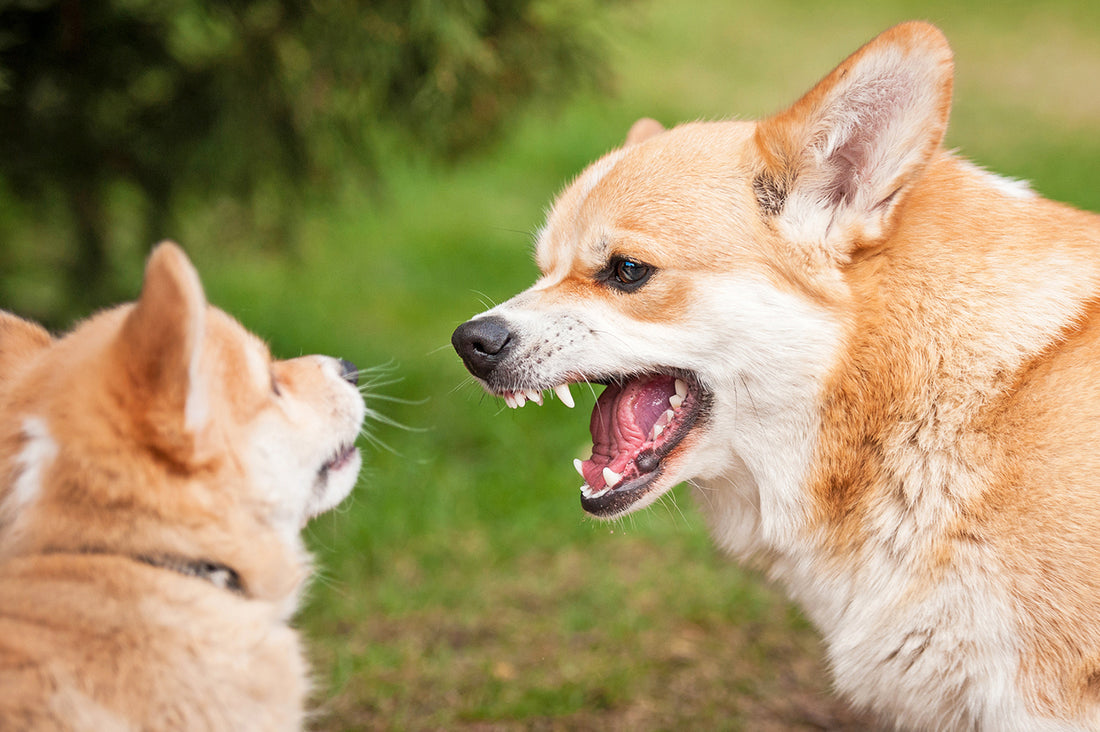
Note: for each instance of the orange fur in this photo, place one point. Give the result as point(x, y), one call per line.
point(131, 453)
point(897, 356)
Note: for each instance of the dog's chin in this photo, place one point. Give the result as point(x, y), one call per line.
point(641, 428)
point(335, 479)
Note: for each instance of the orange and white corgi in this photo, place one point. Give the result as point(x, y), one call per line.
point(156, 467)
point(877, 364)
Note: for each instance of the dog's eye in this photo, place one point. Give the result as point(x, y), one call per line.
point(629, 274)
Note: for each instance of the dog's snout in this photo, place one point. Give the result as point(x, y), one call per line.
point(483, 343)
point(349, 372)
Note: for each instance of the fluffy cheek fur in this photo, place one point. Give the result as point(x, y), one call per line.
point(763, 353)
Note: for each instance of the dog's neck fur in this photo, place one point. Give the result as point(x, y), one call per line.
point(896, 430)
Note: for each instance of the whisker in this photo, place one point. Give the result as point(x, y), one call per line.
point(486, 301)
point(387, 420)
point(444, 347)
point(397, 400)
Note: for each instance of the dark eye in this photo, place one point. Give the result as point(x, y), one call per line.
point(629, 274)
point(275, 385)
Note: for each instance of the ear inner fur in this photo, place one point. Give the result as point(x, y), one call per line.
point(162, 339)
point(836, 160)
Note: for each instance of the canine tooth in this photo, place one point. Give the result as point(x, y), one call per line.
point(562, 390)
point(611, 477)
point(577, 463)
point(657, 430)
point(676, 401)
point(681, 388)
point(666, 418)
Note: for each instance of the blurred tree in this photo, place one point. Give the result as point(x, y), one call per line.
point(254, 99)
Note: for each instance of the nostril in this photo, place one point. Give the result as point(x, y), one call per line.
point(349, 372)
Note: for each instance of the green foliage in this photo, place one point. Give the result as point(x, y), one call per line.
point(259, 101)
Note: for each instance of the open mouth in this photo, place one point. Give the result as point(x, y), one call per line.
point(637, 423)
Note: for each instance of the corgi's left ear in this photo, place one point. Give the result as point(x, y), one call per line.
point(835, 164)
point(162, 345)
point(642, 130)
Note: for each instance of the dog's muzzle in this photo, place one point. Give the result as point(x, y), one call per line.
point(483, 343)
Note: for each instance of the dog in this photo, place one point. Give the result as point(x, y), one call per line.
point(876, 363)
point(157, 468)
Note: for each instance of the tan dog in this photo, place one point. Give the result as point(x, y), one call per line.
point(879, 366)
point(157, 467)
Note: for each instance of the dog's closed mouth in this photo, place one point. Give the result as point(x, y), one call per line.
point(635, 425)
point(343, 457)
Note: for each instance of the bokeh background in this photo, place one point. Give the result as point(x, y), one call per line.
point(358, 178)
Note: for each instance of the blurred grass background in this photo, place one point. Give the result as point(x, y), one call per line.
point(461, 587)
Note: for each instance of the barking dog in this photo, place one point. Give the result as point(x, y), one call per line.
point(876, 363)
point(157, 467)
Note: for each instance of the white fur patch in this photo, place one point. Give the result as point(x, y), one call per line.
point(39, 450)
point(761, 351)
point(1010, 187)
point(197, 406)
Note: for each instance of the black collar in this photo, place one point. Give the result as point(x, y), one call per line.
point(219, 575)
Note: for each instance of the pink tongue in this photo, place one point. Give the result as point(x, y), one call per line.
point(621, 422)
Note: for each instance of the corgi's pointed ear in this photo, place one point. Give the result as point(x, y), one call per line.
point(642, 130)
point(836, 163)
point(162, 344)
point(19, 340)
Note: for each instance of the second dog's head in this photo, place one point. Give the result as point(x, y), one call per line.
point(164, 429)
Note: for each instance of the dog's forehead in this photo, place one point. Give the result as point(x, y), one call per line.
point(652, 192)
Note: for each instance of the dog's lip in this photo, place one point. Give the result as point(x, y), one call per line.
point(340, 458)
point(641, 461)
point(632, 484)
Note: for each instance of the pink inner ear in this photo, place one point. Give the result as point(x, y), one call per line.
point(866, 152)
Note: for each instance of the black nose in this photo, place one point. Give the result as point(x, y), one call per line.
point(483, 343)
point(349, 372)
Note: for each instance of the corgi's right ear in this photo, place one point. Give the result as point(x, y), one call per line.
point(19, 340)
point(161, 345)
point(835, 165)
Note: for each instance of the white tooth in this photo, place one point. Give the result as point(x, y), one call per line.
point(665, 418)
point(534, 396)
point(509, 400)
point(562, 390)
point(676, 401)
point(577, 463)
point(586, 490)
point(520, 398)
point(611, 477)
point(600, 493)
point(657, 430)
point(681, 388)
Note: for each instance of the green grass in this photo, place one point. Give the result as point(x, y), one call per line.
point(461, 587)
